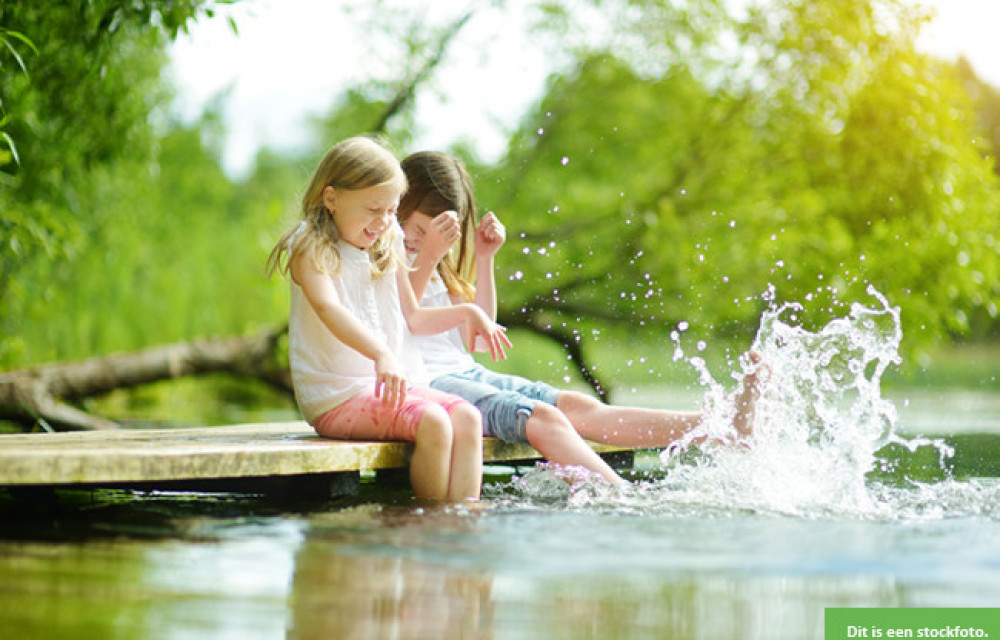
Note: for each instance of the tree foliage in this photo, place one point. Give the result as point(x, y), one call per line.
point(840, 158)
point(83, 97)
point(673, 170)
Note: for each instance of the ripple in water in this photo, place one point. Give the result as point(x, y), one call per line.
point(819, 423)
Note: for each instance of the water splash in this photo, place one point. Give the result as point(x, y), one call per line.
point(819, 425)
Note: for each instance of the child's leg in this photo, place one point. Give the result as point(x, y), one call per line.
point(515, 409)
point(638, 427)
point(444, 446)
point(553, 436)
point(432, 455)
point(466, 477)
point(624, 426)
point(448, 457)
point(746, 396)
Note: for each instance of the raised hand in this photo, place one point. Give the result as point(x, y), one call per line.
point(490, 235)
point(443, 231)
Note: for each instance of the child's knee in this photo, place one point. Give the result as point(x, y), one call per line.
point(435, 428)
point(467, 422)
point(547, 418)
point(578, 402)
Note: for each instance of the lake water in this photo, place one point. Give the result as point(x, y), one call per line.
point(536, 561)
point(845, 498)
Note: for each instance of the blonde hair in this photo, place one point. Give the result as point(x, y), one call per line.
point(437, 183)
point(354, 163)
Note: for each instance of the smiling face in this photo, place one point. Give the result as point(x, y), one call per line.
point(362, 215)
point(414, 229)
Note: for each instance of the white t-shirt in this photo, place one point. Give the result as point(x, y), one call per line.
point(325, 371)
point(442, 352)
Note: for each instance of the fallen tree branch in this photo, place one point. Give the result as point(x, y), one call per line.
point(42, 393)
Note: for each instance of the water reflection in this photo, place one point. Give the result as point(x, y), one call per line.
point(107, 589)
point(356, 577)
point(407, 571)
point(376, 572)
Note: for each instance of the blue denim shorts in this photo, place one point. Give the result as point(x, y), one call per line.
point(506, 401)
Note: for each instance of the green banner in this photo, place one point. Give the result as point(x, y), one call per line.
point(841, 624)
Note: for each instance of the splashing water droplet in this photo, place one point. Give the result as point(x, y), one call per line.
point(819, 420)
point(818, 426)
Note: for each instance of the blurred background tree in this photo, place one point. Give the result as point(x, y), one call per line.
point(836, 158)
point(681, 159)
point(82, 99)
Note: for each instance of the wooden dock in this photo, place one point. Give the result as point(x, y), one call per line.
point(203, 456)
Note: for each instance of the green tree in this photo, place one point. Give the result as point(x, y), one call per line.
point(85, 100)
point(986, 100)
point(825, 155)
point(887, 169)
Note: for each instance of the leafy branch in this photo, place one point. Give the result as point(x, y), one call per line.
point(8, 38)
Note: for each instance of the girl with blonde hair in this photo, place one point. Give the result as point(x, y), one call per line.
point(354, 369)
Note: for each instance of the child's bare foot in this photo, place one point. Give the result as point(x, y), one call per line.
point(747, 395)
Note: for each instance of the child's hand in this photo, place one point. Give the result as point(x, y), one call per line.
point(443, 231)
point(480, 327)
point(390, 383)
point(490, 235)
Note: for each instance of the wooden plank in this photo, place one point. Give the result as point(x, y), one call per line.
point(234, 451)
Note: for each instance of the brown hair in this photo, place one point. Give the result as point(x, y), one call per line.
point(439, 182)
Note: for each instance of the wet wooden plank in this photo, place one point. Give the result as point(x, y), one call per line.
point(234, 451)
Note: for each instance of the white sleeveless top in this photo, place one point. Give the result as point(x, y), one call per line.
point(442, 352)
point(325, 371)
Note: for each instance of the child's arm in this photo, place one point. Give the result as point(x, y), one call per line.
point(490, 236)
point(440, 235)
point(424, 320)
point(390, 382)
point(442, 232)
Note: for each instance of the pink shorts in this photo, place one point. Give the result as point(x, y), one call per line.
point(364, 417)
